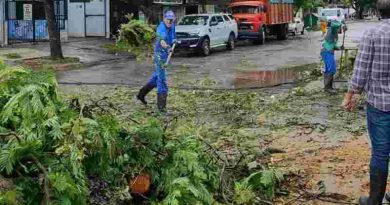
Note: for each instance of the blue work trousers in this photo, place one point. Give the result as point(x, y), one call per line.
point(159, 78)
point(329, 62)
point(379, 130)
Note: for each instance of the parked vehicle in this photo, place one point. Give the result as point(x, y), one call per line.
point(297, 26)
point(258, 18)
point(333, 14)
point(337, 14)
point(203, 32)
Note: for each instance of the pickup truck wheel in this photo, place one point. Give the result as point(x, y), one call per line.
point(205, 49)
point(231, 44)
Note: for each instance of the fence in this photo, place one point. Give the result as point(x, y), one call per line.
point(26, 20)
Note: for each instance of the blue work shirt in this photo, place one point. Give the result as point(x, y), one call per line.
point(166, 34)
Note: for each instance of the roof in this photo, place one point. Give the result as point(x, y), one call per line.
point(208, 14)
point(247, 3)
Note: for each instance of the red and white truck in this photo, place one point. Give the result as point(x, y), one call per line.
point(258, 18)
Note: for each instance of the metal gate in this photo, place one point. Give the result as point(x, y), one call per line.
point(26, 20)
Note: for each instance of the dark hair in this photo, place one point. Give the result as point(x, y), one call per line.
point(383, 7)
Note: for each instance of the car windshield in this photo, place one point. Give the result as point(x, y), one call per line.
point(329, 12)
point(193, 20)
point(245, 9)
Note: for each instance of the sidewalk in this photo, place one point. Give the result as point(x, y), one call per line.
point(88, 50)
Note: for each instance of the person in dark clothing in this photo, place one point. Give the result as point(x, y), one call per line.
point(372, 75)
point(166, 37)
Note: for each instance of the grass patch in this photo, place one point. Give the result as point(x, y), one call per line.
point(113, 48)
point(12, 55)
point(56, 64)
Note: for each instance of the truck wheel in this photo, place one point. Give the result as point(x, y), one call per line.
point(261, 40)
point(205, 49)
point(282, 35)
point(231, 44)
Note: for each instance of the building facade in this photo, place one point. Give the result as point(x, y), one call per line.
point(24, 20)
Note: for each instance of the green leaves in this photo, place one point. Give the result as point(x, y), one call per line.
point(137, 37)
point(265, 181)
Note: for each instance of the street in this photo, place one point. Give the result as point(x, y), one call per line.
point(234, 127)
point(221, 67)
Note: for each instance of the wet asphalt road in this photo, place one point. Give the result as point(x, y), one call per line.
point(219, 70)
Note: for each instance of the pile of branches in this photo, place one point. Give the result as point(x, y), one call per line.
point(137, 37)
point(54, 151)
point(59, 152)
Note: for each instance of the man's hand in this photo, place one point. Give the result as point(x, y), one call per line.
point(349, 101)
point(164, 44)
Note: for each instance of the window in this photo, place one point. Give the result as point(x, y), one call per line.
point(245, 10)
point(231, 17)
point(194, 20)
point(220, 19)
point(226, 18)
point(213, 19)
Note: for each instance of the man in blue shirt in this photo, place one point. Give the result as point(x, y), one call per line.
point(165, 38)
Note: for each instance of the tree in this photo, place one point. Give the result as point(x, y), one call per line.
point(305, 5)
point(360, 6)
point(54, 34)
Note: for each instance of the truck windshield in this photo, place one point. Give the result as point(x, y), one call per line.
point(245, 10)
point(329, 12)
point(193, 20)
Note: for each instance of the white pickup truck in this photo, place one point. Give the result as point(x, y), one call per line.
point(203, 32)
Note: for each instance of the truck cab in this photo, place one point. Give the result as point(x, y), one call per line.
point(250, 17)
point(259, 18)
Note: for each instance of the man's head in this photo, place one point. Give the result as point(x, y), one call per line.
point(383, 7)
point(169, 18)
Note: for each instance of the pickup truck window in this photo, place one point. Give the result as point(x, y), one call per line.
point(231, 17)
point(226, 18)
point(220, 19)
point(245, 10)
point(193, 20)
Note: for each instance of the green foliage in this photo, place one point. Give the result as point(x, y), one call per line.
point(306, 4)
point(265, 182)
point(137, 37)
point(13, 55)
point(55, 147)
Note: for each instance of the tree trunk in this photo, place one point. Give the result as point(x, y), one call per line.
point(360, 12)
point(54, 33)
point(150, 15)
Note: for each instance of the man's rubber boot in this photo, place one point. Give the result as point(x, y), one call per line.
point(378, 182)
point(143, 92)
point(161, 102)
point(328, 83)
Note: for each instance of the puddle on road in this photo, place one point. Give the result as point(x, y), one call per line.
point(261, 79)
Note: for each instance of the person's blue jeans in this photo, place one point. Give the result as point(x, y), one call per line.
point(379, 130)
